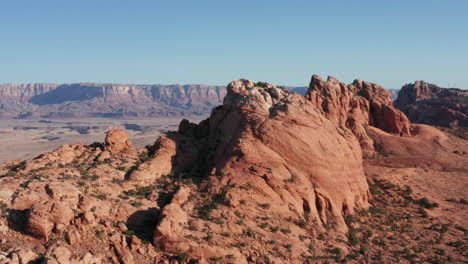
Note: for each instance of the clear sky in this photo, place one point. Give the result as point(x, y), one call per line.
point(216, 41)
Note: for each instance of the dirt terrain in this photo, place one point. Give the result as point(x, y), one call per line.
point(25, 139)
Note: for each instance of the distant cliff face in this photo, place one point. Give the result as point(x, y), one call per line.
point(83, 100)
point(23, 92)
point(430, 104)
point(107, 100)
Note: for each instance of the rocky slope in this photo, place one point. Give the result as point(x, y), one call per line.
point(430, 104)
point(270, 177)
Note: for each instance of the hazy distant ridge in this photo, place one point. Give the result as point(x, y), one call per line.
point(81, 100)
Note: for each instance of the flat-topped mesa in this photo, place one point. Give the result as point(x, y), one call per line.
point(356, 106)
point(420, 90)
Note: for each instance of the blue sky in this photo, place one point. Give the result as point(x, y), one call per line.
point(215, 41)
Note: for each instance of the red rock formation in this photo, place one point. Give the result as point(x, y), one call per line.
point(117, 141)
point(356, 106)
point(268, 178)
point(430, 104)
point(279, 145)
point(161, 164)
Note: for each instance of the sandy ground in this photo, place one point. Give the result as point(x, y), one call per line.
point(25, 139)
point(433, 163)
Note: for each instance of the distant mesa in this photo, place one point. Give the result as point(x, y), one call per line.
point(91, 100)
point(85, 100)
point(428, 103)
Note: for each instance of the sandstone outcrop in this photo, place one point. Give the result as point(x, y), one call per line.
point(163, 152)
point(117, 141)
point(295, 162)
point(53, 212)
point(430, 104)
point(357, 106)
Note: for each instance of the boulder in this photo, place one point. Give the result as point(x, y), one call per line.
point(160, 164)
point(117, 141)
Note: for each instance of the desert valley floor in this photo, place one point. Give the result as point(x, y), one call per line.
point(25, 139)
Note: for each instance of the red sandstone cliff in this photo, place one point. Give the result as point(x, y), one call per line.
point(357, 106)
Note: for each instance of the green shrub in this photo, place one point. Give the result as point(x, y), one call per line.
point(142, 192)
point(338, 253)
point(208, 238)
point(408, 191)
point(423, 212)
point(261, 84)
point(249, 232)
point(238, 214)
point(182, 257)
point(424, 202)
point(136, 204)
point(3, 209)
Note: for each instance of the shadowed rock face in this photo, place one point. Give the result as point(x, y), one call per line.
point(430, 104)
point(357, 106)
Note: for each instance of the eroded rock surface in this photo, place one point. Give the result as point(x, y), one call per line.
point(117, 141)
point(357, 106)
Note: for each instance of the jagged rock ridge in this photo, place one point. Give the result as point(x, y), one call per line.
point(357, 106)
